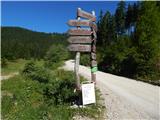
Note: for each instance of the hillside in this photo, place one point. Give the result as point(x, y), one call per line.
point(23, 43)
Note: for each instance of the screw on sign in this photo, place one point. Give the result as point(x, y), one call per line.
point(83, 40)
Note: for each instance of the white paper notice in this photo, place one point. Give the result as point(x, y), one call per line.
point(88, 93)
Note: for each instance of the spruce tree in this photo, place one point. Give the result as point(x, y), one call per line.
point(147, 40)
point(120, 18)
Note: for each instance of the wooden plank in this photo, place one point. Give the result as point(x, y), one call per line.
point(93, 56)
point(79, 31)
point(84, 14)
point(93, 63)
point(79, 39)
point(76, 69)
point(79, 23)
point(82, 23)
point(79, 48)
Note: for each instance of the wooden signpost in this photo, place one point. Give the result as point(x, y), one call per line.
point(84, 14)
point(80, 39)
point(83, 40)
point(79, 31)
point(79, 48)
point(87, 23)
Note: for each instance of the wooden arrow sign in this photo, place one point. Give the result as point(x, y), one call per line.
point(79, 39)
point(79, 22)
point(83, 14)
point(79, 48)
point(79, 31)
point(82, 23)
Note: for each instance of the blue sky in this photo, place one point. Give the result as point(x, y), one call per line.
point(48, 16)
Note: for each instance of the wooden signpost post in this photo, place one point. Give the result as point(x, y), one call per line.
point(83, 40)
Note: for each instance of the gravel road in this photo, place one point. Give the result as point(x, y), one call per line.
point(125, 99)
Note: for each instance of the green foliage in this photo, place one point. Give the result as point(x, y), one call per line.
point(35, 72)
point(20, 98)
point(85, 59)
point(58, 85)
point(60, 113)
point(22, 43)
point(130, 47)
point(56, 55)
point(60, 90)
point(13, 66)
point(147, 40)
point(120, 18)
point(42, 94)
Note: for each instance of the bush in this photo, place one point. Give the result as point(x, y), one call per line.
point(55, 56)
point(37, 73)
point(58, 85)
point(60, 90)
point(85, 59)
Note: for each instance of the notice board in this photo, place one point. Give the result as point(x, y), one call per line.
point(88, 93)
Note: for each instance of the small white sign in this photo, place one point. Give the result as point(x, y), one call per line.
point(88, 93)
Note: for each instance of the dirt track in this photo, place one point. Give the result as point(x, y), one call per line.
point(8, 76)
point(125, 98)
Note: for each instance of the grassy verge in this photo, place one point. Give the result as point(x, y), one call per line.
point(16, 66)
point(23, 99)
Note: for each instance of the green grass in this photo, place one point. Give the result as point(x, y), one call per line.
point(13, 66)
point(16, 66)
point(22, 99)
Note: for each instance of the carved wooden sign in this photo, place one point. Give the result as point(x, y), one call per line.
point(79, 31)
point(87, 23)
point(86, 15)
point(80, 48)
point(80, 39)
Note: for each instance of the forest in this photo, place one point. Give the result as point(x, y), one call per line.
point(19, 42)
point(128, 42)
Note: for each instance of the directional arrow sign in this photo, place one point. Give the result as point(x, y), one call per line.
point(79, 39)
point(79, 22)
point(79, 32)
point(82, 23)
point(83, 14)
point(79, 48)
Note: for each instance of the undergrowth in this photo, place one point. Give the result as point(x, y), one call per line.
point(42, 93)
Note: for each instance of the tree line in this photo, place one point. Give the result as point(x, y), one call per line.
point(23, 43)
point(128, 41)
